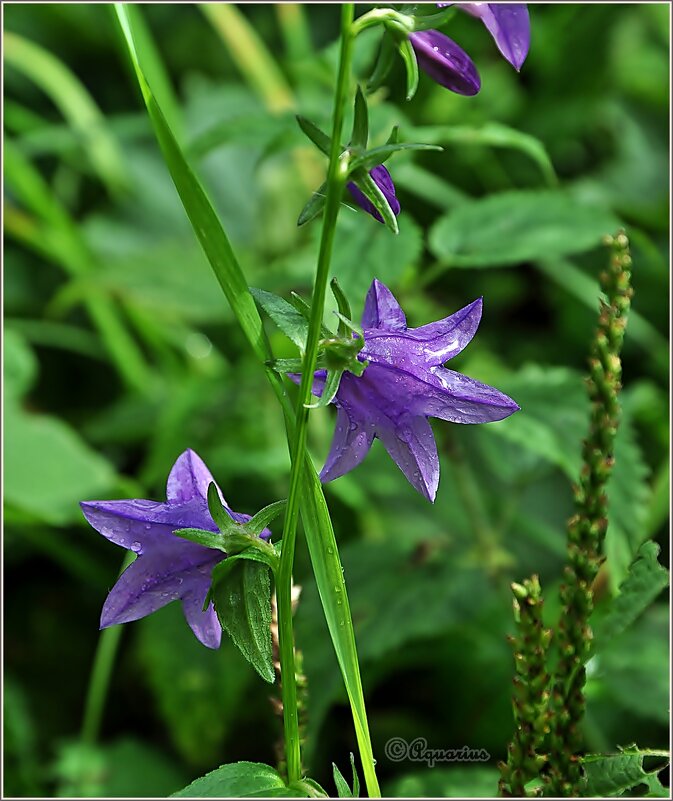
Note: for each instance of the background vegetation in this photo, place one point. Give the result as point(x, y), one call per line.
point(120, 352)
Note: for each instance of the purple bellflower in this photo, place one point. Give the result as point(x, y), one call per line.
point(404, 384)
point(445, 62)
point(168, 567)
point(382, 179)
point(508, 24)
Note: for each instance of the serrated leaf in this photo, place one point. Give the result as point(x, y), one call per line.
point(645, 580)
point(319, 138)
point(238, 780)
point(242, 598)
point(613, 774)
point(519, 226)
point(293, 324)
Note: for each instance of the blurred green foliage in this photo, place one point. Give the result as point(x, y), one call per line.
point(120, 352)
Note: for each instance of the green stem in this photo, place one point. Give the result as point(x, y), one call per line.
point(336, 179)
point(103, 662)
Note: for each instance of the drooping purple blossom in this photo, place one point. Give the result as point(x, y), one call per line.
point(168, 567)
point(404, 384)
point(508, 24)
point(445, 62)
point(382, 179)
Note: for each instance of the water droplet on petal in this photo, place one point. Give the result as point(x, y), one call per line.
point(136, 547)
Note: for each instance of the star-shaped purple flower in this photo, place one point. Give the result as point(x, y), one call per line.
point(382, 179)
point(404, 384)
point(168, 567)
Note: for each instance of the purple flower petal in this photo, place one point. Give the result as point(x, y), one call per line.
point(429, 345)
point(148, 584)
point(382, 309)
point(189, 478)
point(350, 445)
point(382, 179)
point(468, 401)
point(205, 625)
point(411, 445)
point(508, 24)
point(445, 62)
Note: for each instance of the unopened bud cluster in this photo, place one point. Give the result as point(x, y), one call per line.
point(531, 691)
point(587, 527)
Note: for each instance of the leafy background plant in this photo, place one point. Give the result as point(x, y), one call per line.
point(120, 352)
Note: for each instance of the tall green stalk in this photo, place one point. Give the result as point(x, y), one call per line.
point(336, 179)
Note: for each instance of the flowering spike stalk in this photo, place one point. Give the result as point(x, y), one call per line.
point(531, 694)
point(586, 529)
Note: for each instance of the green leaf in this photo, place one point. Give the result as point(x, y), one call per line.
point(291, 322)
point(645, 580)
point(238, 780)
point(73, 100)
point(360, 134)
point(378, 155)
point(318, 137)
point(367, 250)
point(518, 226)
point(493, 134)
point(19, 365)
point(441, 782)
point(201, 214)
point(242, 597)
point(49, 468)
point(406, 50)
point(614, 774)
point(384, 62)
point(123, 768)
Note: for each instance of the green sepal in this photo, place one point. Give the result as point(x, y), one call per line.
point(406, 50)
point(261, 520)
point(318, 137)
point(384, 62)
point(349, 325)
point(370, 189)
point(313, 207)
point(241, 593)
point(221, 517)
point(342, 303)
point(378, 155)
point(332, 380)
point(209, 539)
point(360, 134)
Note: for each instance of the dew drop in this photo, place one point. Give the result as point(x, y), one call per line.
point(135, 547)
